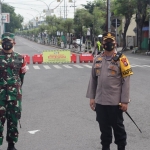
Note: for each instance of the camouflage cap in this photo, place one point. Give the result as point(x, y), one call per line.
point(109, 35)
point(8, 35)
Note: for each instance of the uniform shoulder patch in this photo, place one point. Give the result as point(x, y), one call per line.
point(126, 69)
point(98, 59)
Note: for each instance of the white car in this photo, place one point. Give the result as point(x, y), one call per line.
point(79, 41)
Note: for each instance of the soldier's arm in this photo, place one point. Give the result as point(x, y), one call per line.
point(23, 70)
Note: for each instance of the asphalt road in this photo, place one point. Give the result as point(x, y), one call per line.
point(56, 114)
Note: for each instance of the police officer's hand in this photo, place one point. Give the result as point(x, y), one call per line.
point(124, 106)
point(92, 104)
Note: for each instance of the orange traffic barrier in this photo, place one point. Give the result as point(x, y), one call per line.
point(86, 57)
point(73, 58)
point(37, 59)
point(27, 58)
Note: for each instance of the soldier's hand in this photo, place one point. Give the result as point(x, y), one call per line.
point(92, 104)
point(123, 106)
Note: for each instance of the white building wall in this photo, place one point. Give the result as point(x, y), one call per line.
point(131, 35)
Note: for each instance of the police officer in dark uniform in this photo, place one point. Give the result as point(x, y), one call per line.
point(109, 87)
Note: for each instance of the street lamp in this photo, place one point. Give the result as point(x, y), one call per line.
point(44, 3)
point(48, 6)
point(108, 16)
point(38, 12)
point(74, 6)
point(33, 18)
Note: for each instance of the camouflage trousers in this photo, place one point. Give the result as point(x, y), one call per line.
point(10, 111)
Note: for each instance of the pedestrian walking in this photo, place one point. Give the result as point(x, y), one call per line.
point(12, 71)
point(108, 87)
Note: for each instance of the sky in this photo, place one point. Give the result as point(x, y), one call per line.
point(30, 9)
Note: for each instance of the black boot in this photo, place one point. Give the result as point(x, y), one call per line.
point(121, 147)
point(11, 146)
point(105, 148)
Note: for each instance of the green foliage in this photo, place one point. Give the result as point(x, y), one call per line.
point(68, 25)
point(15, 20)
point(82, 18)
point(98, 11)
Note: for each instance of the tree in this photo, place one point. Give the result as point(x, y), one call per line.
point(15, 19)
point(51, 21)
point(140, 18)
point(82, 18)
point(124, 8)
point(68, 26)
point(98, 10)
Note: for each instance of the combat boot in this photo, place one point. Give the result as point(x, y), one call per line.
point(121, 147)
point(105, 148)
point(11, 146)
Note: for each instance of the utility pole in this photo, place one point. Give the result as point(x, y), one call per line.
point(60, 11)
point(66, 11)
point(108, 16)
point(74, 7)
point(64, 8)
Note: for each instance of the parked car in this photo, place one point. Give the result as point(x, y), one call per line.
point(79, 41)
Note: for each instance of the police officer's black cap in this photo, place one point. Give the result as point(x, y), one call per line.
point(109, 35)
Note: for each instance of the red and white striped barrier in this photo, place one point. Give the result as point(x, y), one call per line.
point(73, 58)
point(27, 58)
point(37, 59)
point(85, 57)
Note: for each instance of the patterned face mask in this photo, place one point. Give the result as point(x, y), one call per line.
point(7, 45)
point(109, 46)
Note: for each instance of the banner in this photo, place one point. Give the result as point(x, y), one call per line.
point(56, 56)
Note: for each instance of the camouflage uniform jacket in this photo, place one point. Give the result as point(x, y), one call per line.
point(12, 70)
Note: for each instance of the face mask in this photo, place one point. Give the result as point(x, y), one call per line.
point(109, 46)
point(7, 45)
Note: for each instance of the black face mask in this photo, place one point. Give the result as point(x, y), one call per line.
point(109, 46)
point(7, 45)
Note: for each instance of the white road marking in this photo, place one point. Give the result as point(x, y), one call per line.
point(56, 66)
point(46, 67)
point(67, 66)
point(27, 67)
point(146, 65)
point(88, 66)
point(36, 67)
point(33, 132)
point(138, 58)
point(78, 66)
point(136, 65)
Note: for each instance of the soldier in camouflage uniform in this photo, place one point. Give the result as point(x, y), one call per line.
point(12, 71)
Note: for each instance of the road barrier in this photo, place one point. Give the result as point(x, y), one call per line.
point(37, 59)
point(27, 58)
point(86, 58)
point(73, 58)
point(56, 56)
